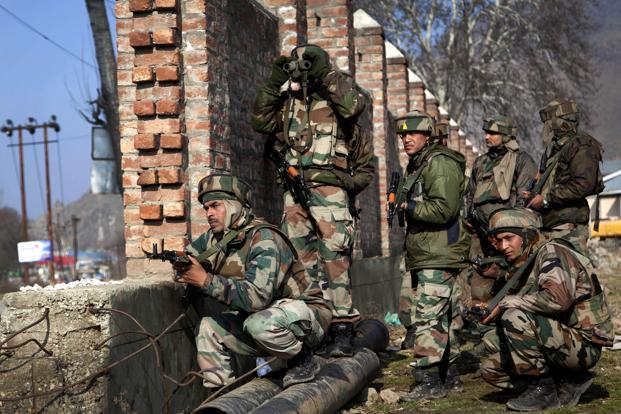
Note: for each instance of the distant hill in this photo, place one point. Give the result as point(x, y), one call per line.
point(100, 226)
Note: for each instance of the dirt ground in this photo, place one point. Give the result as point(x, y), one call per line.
point(604, 395)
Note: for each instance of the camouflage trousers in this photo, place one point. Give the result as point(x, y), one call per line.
point(279, 330)
point(325, 254)
point(576, 234)
point(435, 333)
point(526, 345)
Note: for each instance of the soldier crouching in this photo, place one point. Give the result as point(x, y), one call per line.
point(250, 266)
point(551, 332)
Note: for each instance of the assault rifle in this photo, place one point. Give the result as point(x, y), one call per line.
point(536, 184)
point(391, 196)
point(293, 181)
point(179, 259)
point(481, 261)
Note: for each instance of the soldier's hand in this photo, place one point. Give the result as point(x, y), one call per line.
point(278, 75)
point(320, 65)
point(491, 271)
point(526, 195)
point(194, 274)
point(536, 202)
point(492, 316)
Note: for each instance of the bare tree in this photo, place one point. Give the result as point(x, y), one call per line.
point(107, 100)
point(483, 57)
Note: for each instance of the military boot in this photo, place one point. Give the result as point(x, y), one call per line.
point(453, 381)
point(571, 387)
point(428, 385)
point(302, 368)
point(410, 338)
point(342, 334)
point(539, 395)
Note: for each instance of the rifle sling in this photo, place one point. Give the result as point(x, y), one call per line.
point(512, 282)
point(220, 246)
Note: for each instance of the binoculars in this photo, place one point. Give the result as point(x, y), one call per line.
point(295, 68)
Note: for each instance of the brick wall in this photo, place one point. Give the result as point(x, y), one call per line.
point(330, 25)
point(291, 16)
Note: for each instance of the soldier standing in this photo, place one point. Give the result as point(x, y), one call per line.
point(551, 332)
point(430, 199)
point(569, 173)
point(499, 179)
point(273, 308)
point(310, 110)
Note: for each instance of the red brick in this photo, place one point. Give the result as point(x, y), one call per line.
point(129, 179)
point(168, 107)
point(131, 197)
point(148, 177)
point(175, 243)
point(171, 141)
point(151, 212)
point(159, 126)
point(140, 39)
point(196, 22)
point(132, 216)
point(133, 232)
point(173, 194)
point(145, 142)
point(157, 57)
point(139, 5)
point(165, 229)
point(169, 176)
point(166, 36)
point(161, 160)
point(144, 107)
point(132, 249)
point(147, 244)
point(159, 92)
point(166, 73)
point(174, 210)
point(130, 162)
point(142, 74)
point(165, 4)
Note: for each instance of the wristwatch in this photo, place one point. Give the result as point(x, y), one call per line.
point(545, 203)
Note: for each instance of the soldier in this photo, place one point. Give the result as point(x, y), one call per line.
point(551, 332)
point(569, 173)
point(251, 267)
point(498, 180)
point(430, 199)
point(310, 111)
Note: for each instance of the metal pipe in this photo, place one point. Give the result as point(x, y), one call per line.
point(22, 189)
point(336, 384)
point(244, 399)
point(48, 197)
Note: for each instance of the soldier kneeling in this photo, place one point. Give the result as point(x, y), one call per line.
point(550, 332)
point(250, 266)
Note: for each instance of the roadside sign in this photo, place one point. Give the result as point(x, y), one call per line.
point(34, 251)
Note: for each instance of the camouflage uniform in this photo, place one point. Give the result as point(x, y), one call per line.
point(335, 159)
point(273, 308)
point(569, 173)
point(490, 188)
point(558, 320)
point(430, 198)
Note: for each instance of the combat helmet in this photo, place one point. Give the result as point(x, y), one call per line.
point(514, 220)
point(560, 108)
point(441, 130)
point(415, 121)
point(223, 187)
point(499, 124)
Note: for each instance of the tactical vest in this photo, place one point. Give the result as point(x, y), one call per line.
point(324, 146)
point(487, 190)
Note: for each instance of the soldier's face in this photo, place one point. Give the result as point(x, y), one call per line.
point(413, 142)
point(216, 215)
point(493, 140)
point(510, 244)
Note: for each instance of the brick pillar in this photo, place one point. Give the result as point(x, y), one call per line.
point(291, 22)
point(461, 140)
point(469, 154)
point(416, 92)
point(443, 114)
point(453, 141)
point(371, 75)
point(431, 104)
point(330, 24)
point(153, 148)
point(397, 75)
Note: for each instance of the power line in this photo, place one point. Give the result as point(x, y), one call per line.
point(61, 47)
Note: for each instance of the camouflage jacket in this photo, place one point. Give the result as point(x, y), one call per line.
point(257, 268)
point(436, 236)
point(576, 175)
point(562, 286)
point(336, 150)
point(482, 174)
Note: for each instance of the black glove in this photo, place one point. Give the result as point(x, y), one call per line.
point(278, 75)
point(320, 63)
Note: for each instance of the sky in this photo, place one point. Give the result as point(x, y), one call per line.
point(37, 79)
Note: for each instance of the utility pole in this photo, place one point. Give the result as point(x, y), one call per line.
point(74, 224)
point(8, 129)
point(31, 127)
